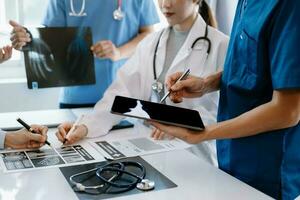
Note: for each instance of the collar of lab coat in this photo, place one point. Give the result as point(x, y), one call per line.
point(197, 30)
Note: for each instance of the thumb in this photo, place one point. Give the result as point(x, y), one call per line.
point(14, 23)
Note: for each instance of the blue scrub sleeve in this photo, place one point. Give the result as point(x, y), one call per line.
point(55, 14)
point(148, 13)
point(2, 139)
point(284, 47)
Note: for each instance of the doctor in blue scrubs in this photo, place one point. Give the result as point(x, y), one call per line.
point(115, 38)
point(259, 110)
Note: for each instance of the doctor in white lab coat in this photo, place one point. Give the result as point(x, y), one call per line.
point(173, 54)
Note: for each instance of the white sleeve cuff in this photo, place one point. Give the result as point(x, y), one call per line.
point(2, 139)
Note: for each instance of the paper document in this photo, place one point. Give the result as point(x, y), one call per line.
point(15, 161)
point(136, 147)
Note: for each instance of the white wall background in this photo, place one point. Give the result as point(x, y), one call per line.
point(15, 96)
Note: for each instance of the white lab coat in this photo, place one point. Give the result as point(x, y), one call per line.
point(135, 79)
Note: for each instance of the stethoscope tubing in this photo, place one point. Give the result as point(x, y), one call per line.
point(110, 168)
point(205, 38)
point(119, 168)
point(81, 12)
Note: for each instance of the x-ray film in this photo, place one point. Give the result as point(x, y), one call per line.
point(16, 161)
point(59, 56)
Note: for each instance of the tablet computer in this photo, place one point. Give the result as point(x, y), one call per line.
point(157, 112)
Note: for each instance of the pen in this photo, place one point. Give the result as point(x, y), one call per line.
point(183, 76)
point(30, 129)
point(73, 127)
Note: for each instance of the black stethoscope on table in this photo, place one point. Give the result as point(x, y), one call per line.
point(118, 14)
point(157, 86)
point(115, 175)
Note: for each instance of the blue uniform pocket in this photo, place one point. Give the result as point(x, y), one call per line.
point(244, 66)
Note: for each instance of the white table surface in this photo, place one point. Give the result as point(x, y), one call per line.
point(195, 179)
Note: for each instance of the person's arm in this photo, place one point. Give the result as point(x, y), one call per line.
point(22, 139)
point(127, 49)
point(193, 86)
point(283, 111)
point(147, 14)
point(107, 49)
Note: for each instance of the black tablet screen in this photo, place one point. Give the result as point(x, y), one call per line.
point(157, 112)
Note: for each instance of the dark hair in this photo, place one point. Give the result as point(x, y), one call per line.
point(207, 14)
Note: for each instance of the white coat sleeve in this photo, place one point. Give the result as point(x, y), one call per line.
point(222, 52)
point(2, 139)
point(127, 83)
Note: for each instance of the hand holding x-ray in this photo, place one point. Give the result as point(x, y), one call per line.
point(19, 35)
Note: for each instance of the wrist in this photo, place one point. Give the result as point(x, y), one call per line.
point(85, 129)
point(117, 55)
point(207, 85)
point(212, 82)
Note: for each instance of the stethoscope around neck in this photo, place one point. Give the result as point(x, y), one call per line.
point(118, 14)
point(157, 86)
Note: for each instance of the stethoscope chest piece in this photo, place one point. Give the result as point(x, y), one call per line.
point(157, 86)
point(118, 14)
point(145, 185)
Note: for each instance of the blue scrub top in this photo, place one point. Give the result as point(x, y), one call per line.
point(263, 56)
point(100, 18)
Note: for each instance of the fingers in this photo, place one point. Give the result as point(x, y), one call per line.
point(1, 55)
point(36, 137)
point(34, 145)
point(5, 53)
point(171, 80)
point(63, 129)
point(176, 97)
point(19, 36)
point(40, 129)
point(157, 134)
point(13, 23)
point(103, 49)
point(79, 133)
point(171, 130)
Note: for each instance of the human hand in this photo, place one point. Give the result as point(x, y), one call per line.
point(190, 87)
point(64, 135)
point(190, 136)
point(19, 36)
point(106, 49)
point(157, 134)
point(22, 139)
point(5, 53)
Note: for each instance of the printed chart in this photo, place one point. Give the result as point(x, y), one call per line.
point(45, 158)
